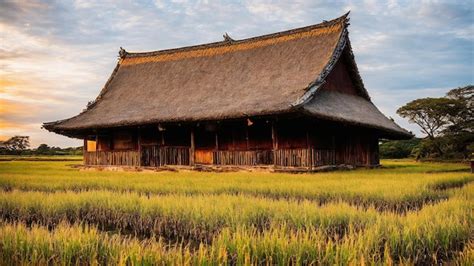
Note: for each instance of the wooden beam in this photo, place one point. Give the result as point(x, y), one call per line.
point(217, 141)
point(192, 149)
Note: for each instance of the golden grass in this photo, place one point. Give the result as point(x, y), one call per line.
point(406, 212)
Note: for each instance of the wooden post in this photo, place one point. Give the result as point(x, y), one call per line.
point(233, 138)
point(247, 137)
point(84, 151)
point(191, 150)
point(139, 143)
point(368, 150)
point(97, 153)
point(215, 154)
point(310, 152)
point(274, 143)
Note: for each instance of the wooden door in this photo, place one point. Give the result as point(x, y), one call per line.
point(203, 157)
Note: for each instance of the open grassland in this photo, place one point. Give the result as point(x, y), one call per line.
point(41, 158)
point(406, 212)
point(400, 186)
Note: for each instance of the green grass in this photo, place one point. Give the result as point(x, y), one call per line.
point(405, 212)
point(40, 158)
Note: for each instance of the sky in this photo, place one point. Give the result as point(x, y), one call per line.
point(55, 56)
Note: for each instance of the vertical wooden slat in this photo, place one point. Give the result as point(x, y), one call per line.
point(157, 156)
point(259, 157)
point(125, 158)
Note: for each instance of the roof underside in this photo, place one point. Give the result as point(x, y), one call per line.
point(271, 74)
point(352, 109)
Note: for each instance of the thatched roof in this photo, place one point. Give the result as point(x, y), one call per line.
point(266, 75)
point(351, 109)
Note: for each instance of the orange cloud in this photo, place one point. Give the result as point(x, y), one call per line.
point(9, 84)
point(8, 107)
point(6, 83)
point(4, 124)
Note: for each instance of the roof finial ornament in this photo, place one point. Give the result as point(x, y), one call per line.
point(227, 38)
point(122, 52)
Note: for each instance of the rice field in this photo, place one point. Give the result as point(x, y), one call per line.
point(404, 213)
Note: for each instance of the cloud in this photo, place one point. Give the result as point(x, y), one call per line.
point(55, 56)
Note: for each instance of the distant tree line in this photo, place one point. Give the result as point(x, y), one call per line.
point(397, 149)
point(20, 145)
point(448, 123)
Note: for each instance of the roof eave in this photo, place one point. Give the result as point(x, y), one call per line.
point(385, 132)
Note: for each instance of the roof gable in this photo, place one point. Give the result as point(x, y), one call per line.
point(340, 80)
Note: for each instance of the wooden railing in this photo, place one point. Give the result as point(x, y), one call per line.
point(323, 157)
point(156, 156)
point(293, 157)
point(261, 157)
point(123, 158)
point(306, 158)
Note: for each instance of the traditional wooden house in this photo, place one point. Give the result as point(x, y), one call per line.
point(288, 99)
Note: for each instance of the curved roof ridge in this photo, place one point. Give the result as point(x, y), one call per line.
point(342, 19)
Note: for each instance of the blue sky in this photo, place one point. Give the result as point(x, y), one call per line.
point(55, 56)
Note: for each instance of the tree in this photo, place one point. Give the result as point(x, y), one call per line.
point(448, 122)
point(16, 144)
point(432, 115)
point(43, 149)
point(395, 149)
point(459, 135)
point(463, 121)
